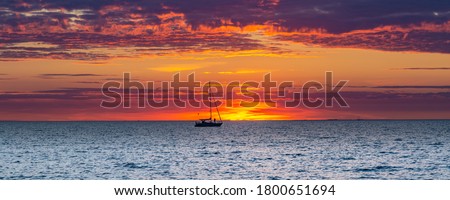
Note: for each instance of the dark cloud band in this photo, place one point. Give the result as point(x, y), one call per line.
point(159, 27)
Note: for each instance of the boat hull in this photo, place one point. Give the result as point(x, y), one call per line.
point(208, 124)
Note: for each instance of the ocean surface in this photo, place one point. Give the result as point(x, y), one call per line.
point(237, 150)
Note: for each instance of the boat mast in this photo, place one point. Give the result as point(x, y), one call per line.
point(211, 98)
point(210, 108)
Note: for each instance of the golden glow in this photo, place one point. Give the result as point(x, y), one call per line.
point(247, 114)
point(176, 68)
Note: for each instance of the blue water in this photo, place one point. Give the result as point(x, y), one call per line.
point(237, 150)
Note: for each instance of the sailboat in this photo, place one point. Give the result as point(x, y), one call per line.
point(210, 122)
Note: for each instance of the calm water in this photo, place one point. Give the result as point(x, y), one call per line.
point(237, 150)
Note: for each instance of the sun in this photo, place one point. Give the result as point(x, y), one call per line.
point(250, 114)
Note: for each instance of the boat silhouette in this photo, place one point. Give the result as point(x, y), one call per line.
point(210, 122)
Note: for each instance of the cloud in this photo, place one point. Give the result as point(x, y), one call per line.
point(4, 77)
point(53, 95)
point(83, 104)
point(47, 76)
point(70, 75)
point(423, 68)
point(345, 16)
point(100, 30)
point(88, 82)
point(422, 38)
point(7, 79)
point(414, 87)
point(403, 87)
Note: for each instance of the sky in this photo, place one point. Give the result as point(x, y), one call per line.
point(56, 55)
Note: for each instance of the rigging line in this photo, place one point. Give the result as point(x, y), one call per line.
point(211, 96)
point(217, 108)
point(210, 108)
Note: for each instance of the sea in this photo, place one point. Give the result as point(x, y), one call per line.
point(261, 150)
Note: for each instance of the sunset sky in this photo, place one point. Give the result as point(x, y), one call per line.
point(55, 55)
